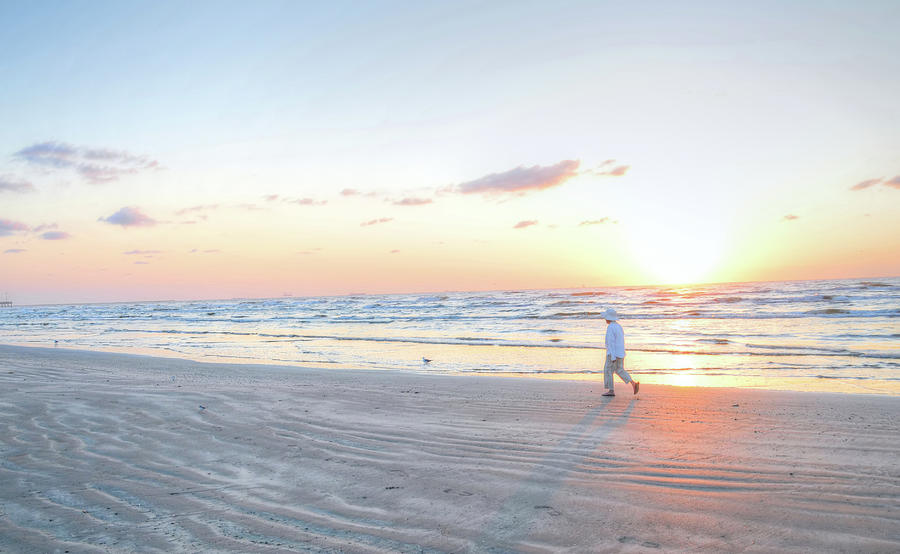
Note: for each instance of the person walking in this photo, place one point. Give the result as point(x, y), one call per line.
point(615, 354)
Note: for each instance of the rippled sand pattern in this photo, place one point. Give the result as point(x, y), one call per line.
point(105, 452)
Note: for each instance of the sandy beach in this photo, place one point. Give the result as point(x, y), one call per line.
point(108, 453)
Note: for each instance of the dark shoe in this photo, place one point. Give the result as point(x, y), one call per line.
point(608, 393)
point(636, 386)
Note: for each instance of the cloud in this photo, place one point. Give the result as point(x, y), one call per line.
point(522, 179)
point(10, 184)
point(306, 201)
point(893, 183)
point(55, 235)
point(142, 252)
point(96, 165)
point(524, 224)
point(300, 201)
point(617, 171)
point(600, 221)
point(791, 217)
point(141, 263)
point(608, 169)
point(349, 192)
point(199, 208)
point(412, 201)
point(211, 251)
point(129, 216)
point(395, 251)
point(45, 227)
point(15, 251)
point(8, 227)
point(376, 221)
point(862, 185)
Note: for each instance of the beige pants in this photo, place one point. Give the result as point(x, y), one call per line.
point(617, 365)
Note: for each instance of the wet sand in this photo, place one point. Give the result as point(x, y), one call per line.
point(108, 452)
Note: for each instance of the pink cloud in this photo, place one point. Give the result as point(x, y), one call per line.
point(9, 184)
point(412, 201)
point(349, 192)
point(8, 227)
point(524, 224)
point(600, 221)
point(129, 216)
point(862, 185)
point(56, 235)
point(200, 208)
point(618, 171)
point(604, 169)
point(96, 165)
point(306, 201)
point(893, 183)
point(791, 217)
point(376, 221)
point(45, 227)
point(522, 179)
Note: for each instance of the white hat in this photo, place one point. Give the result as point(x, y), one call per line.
point(610, 315)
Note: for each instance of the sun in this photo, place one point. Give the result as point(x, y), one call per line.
point(674, 253)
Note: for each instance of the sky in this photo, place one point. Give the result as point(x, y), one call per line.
point(192, 150)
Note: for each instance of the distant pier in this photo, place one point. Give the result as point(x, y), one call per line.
point(5, 304)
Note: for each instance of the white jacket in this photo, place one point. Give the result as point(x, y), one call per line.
point(615, 341)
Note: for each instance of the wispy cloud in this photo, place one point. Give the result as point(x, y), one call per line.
point(522, 179)
point(524, 224)
point(862, 185)
point(412, 201)
point(96, 165)
point(210, 251)
point(395, 251)
point(791, 217)
point(306, 201)
point(600, 221)
point(55, 235)
point(199, 208)
point(8, 227)
point(10, 184)
point(14, 251)
point(129, 216)
point(893, 183)
point(142, 252)
point(300, 201)
point(45, 227)
point(349, 192)
point(608, 168)
point(376, 221)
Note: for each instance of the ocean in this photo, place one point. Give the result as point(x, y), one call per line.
point(834, 335)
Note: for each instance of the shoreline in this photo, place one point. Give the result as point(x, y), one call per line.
point(663, 378)
point(130, 452)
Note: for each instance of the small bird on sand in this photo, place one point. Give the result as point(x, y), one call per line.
point(202, 407)
point(425, 360)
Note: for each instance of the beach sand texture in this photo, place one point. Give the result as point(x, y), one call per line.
point(107, 452)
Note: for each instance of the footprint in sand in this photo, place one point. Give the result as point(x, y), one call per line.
point(633, 540)
point(550, 510)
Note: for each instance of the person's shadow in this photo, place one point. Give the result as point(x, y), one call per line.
point(507, 526)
